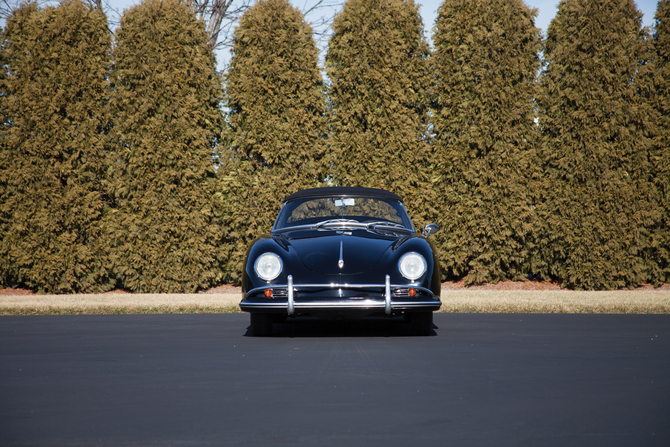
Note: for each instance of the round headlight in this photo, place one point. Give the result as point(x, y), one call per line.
point(412, 265)
point(268, 266)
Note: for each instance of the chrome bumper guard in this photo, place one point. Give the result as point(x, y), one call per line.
point(388, 304)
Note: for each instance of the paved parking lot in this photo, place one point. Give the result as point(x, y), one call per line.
point(483, 379)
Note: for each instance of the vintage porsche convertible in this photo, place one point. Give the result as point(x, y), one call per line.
point(342, 252)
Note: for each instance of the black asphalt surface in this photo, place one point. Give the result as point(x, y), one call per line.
point(191, 380)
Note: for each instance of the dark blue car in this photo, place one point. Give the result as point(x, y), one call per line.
point(342, 253)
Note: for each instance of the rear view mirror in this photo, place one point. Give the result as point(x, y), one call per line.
point(344, 202)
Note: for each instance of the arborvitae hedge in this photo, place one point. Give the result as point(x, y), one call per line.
point(485, 62)
point(599, 200)
point(54, 91)
point(164, 229)
point(276, 102)
point(662, 142)
point(4, 113)
point(377, 62)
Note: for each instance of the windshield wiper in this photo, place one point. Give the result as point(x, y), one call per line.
point(339, 223)
point(387, 224)
point(350, 223)
point(294, 228)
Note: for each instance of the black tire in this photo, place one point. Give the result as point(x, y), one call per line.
point(261, 324)
point(279, 318)
point(422, 323)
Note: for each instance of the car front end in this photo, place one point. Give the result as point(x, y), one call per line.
point(351, 266)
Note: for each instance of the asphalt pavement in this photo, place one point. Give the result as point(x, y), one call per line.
point(192, 380)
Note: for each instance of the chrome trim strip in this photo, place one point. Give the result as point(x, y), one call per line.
point(387, 304)
point(387, 298)
point(409, 304)
point(336, 286)
point(356, 304)
point(340, 263)
point(291, 304)
point(268, 305)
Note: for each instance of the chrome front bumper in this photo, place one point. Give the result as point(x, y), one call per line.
point(389, 303)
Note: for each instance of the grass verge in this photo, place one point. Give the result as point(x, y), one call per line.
point(110, 304)
point(557, 301)
point(462, 301)
point(110, 310)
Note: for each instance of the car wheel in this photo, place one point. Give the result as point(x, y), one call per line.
point(279, 318)
point(261, 324)
point(422, 323)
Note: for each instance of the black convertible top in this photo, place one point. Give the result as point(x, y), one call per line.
point(343, 191)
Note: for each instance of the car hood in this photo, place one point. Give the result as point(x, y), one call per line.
point(322, 254)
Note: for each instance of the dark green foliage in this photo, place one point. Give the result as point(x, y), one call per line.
point(661, 159)
point(275, 95)
point(53, 89)
point(377, 63)
point(599, 200)
point(485, 63)
point(164, 229)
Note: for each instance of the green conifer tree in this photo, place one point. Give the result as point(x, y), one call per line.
point(599, 200)
point(377, 62)
point(5, 125)
point(276, 102)
point(486, 61)
point(661, 157)
point(54, 91)
point(164, 229)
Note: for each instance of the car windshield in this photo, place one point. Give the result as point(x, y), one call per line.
point(356, 210)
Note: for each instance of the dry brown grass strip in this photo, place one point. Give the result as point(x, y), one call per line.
point(467, 301)
point(557, 301)
point(110, 310)
point(117, 303)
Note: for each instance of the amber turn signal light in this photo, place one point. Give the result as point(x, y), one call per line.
point(412, 292)
point(268, 293)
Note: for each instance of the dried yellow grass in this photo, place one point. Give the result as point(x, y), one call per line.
point(464, 301)
point(557, 301)
point(120, 303)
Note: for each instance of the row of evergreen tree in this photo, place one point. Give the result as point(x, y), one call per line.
point(107, 169)
point(122, 166)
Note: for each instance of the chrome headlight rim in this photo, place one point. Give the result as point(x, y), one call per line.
point(403, 271)
point(270, 255)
